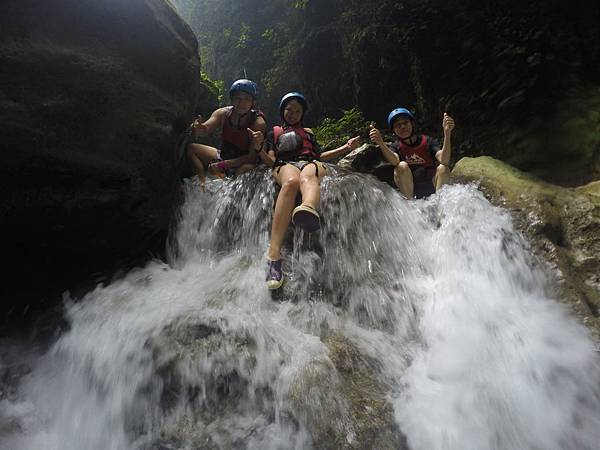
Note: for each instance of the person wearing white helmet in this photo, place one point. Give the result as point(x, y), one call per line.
point(420, 166)
point(233, 157)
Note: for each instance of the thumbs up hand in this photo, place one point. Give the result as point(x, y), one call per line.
point(447, 123)
point(375, 135)
point(256, 138)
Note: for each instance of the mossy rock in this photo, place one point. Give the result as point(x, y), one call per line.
point(368, 159)
point(562, 224)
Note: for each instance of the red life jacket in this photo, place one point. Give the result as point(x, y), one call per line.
point(418, 156)
point(303, 148)
point(236, 142)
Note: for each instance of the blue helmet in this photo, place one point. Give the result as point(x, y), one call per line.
point(243, 85)
point(293, 96)
point(399, 112)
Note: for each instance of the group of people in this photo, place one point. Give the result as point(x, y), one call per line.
point(296, 159)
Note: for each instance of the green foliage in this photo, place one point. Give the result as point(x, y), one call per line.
point(300, 4)
point(217, 87)
point(255, 39)
point(268, 34)
point(498, 69)
point(332, 133)
point(244, 37)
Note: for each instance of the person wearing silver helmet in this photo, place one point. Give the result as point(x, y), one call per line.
point(235, 121)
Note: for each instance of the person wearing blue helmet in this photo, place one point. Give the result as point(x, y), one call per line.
point(234, 121)
point(295, 157)
point(420, 166)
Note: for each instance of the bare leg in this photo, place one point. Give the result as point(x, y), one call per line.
point(310, 184)
point(289, 180)
point(404, 180)
point(442, 176)
point(200, 155)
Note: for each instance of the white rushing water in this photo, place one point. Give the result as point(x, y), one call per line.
point(441, 295)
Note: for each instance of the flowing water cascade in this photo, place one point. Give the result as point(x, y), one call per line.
point(421, 325)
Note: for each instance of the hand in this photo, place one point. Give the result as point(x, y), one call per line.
point(375, 135)
point(256, 138)
point(353, 143)
point(447, 123)
point(198, 128)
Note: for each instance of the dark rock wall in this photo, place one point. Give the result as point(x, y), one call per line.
point(93, 96)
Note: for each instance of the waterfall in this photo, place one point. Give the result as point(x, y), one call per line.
point(424, 325)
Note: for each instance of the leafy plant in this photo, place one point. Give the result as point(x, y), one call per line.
point(300, 4)
point(244, 37)
point(332, 133)
point(268, 34)
point(217, 87)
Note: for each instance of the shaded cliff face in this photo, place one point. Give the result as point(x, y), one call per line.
point(93, 95)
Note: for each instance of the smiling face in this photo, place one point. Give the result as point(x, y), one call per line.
point(292, 112)
point(403, 127)
point(242, 102)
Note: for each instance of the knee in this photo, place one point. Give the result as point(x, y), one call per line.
point(290, 184)
point(442, 170)
point(308, 179)
point(190, 150)
point(402, 169)
point(195, 151)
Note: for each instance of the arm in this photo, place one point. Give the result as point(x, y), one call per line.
point(352, 144)
point(215, 121)
point(387, 153)
point(250, 158)
point(443, 155)
point(259, 124)
point(258, 146)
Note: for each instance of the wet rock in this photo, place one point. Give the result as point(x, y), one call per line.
point(368, 159)
point(214, 396)
point(345, 406)
point(562, 224)
point(206, 375)
point(93, 97)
